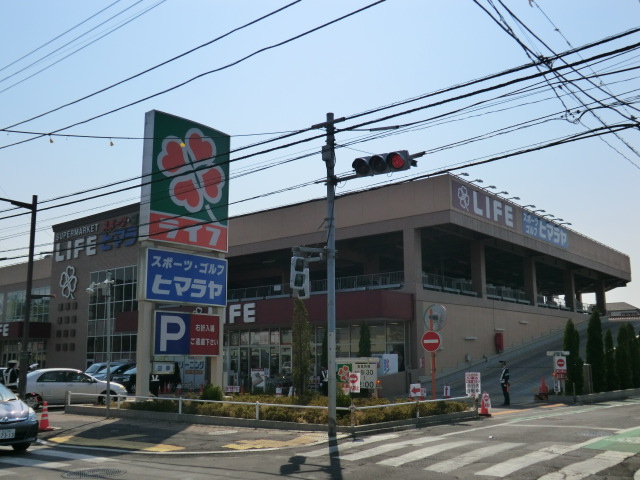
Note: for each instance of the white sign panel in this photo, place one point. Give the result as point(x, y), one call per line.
point(472, 383)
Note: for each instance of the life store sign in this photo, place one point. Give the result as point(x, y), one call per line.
point(190, 334)
point(174, 277)
point(185, 188)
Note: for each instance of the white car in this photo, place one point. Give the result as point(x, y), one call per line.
point(52, 385)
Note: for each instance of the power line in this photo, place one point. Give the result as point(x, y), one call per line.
point(79, 49)
point(57, 37)
point(201, 75)
point(188, 52)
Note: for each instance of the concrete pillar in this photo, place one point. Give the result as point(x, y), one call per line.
point(569, 290)
point(412, 248)
point(601, 298)
point(478, 268)
point(530, 280)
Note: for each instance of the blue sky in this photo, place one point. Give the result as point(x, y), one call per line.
point(55, 53)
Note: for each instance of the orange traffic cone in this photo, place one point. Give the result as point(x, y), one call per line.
point(543, 386)
point(485, 405)
point(44, 420)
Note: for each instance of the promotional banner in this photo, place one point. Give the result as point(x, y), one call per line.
point(185, 183)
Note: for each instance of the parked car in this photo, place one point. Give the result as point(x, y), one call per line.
point(51, 385)
point(95, 368)
point(127, 379)
point(116, 368)
point(18, 421)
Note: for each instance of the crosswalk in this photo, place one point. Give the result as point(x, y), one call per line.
point(497, 460)
point(46, 459)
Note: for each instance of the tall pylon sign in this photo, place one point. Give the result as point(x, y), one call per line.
point(185, 183)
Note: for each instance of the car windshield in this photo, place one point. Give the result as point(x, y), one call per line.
point(95, 368)
point(6, 395)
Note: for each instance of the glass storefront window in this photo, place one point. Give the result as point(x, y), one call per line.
point(123, 299)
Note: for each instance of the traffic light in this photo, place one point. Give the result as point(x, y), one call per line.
point(299, 277)
point(383, 163)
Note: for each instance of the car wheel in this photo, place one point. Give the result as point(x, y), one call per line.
point(20, 447)
point(102, 400)
point(33, 400)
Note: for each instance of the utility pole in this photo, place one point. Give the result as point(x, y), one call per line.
point(24, 350)
point(329, 158)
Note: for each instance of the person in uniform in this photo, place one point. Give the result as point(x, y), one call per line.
point(11, 375)
point(504, 382)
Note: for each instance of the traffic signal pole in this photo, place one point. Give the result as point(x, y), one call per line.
point(328, 156)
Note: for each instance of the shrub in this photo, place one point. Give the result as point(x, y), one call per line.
point(302, 415)
point(212, 392)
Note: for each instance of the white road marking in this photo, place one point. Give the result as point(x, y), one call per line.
point(371, 452)
point(579, 470)
point(471, 457)
point(348, 446)
point(424, 453)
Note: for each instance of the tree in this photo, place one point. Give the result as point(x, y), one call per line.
point(301, 347)
point(634, 354)
point(364, 345)
point(595, 351)
point(610, 374)
point(571, 343)
point(623, 358)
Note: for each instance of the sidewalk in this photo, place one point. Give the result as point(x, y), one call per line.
point(147, 437)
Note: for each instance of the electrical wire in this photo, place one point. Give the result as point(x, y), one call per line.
point(166, 62)
point(204, 74)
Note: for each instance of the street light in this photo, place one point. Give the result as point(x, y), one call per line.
point(24, 353)
point(504, 192)
point(531, 206)
point(548, 215)
point(106, 291)
point(539, 211)
point(565, 223)
point(477, 180)
point(513, 198)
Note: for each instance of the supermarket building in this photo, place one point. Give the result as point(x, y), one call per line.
point(503, 274)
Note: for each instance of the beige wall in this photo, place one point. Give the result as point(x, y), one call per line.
point(415, 204)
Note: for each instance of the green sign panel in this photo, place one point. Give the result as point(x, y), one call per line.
point(185, 193)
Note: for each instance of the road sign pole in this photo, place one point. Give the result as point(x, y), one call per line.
point(433, 375)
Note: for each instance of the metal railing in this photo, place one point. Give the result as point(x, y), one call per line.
point(462, 286)
point(359, 282)
point(394, 280)
point(259, 405)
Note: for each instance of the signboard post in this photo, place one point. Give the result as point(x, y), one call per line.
point(473, 387)
point(184, 202)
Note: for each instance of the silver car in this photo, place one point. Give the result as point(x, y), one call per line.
point(52, 385)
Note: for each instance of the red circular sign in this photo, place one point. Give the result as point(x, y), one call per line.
point(431, 341)
point(353, 378)
point(560, 362)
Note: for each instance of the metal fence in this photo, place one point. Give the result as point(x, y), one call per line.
point(260, 405)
